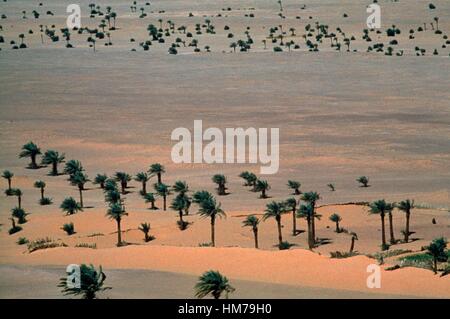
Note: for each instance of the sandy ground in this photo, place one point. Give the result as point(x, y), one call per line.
point(341, 115)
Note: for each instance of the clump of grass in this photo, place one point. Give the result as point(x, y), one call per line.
point(342, 254)
point(417, 260)
point(205, 245)
point(86, 245)
point(45, 201)
point(22, 241)
point(69, 228)
point(285, 245)
point(43, 243)
point(389, 253)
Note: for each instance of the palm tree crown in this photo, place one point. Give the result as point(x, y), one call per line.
point(70, 206)
point(30, 150)
point(53, 158)
point(212, 282)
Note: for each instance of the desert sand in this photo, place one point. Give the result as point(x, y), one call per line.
point(341, 115)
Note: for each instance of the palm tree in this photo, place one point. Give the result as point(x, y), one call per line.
point(112, 196)
point(354, 237)
point(363, 180)
point(179, 204)
point(220, 180)
point(123, 178)
point(157, 169)
point(79, 179)
point(180, 187)
point(311, 198)
point(53, 158)
point(281, 5)
point(162, 190)
point(41, 186)
point(70, 206)
point(143, 178)
point(305, 211)
point(336, 219)
point(17, 192)
point(292, 204)
point(150, 198)
point(262, 186)
point(30, 150)
point(250, 178)
point(91, 282)
point(295, 186)
point(8, 175)
point(436, 249)
point(73, 166)
point(100, 179)
point(275, 210)
point(110, 184)
point(145, 228)
point(20, 214)
point(252, 221)
point(210, 208)
point(117, 212)
point(406, 206)
point(391, 224)
point(380, 207)
point(212, 282)
point(201, 196)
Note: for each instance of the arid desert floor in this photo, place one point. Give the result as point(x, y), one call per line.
point(341, 115)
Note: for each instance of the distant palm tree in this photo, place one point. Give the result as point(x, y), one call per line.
point(201, 196)
point(100, 179)
point(220, 180)
point(275, 210)
point(210, 208)
point(150, 198)
point(110, 184)
point(179, 204)
point(305, 211)
point(70, 206)
point(311, 198)
point(123, 178)
point(91, 282)
point(436, 249)
point(53, 158)
point(363, 180)
point(143, 178)
point(336, 219)
point(145, 228)
point(180, 187)
point(252, 221)
point(331, 187)
point(20, 214)
point(79, 179)
point(406, 206)
point(212, 282)
point(295, 186)
point(163, 190)
point(17, 192)
point(73, 166)
point(41, 186)
point(157, 169)
point(262, 186)
point(250, 178)
point(117, 212)
point(380, 207)
point(8, 175)
point(30, 150)
point(291, 203)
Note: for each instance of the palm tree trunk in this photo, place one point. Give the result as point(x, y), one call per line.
point(280, 237)
point(310, 242)
point(213, 241)
point(42, 193)
point(255, 232)
point(391, 229)
point(144, 188)
point(159, 178)
point(337, 227)
point(81, 197)
point(153, 205)
point(435, 265)
point(9, 183)
point(33, 161)
point(383, 232)
point(313, 225)
point(352, 246)
point(407, 226)
point(180, 212)
point(54, 168)
point(19, 199)
point(294, 223)
point(263, 193)
point(119, 234)
point(124, 186)
point(164, 202)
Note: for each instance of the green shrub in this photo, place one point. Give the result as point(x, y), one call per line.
point(22, 241)
point(340, 254)
point(285, 245)
point(69, 228)
point(43, 243)
point(45, 201)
